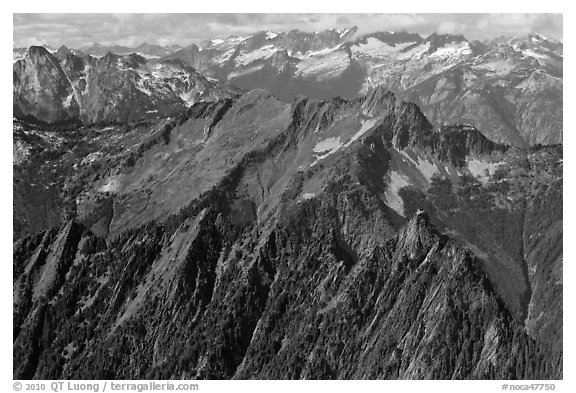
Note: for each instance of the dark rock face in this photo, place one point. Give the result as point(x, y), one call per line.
point(455, 143)
point(251, 238)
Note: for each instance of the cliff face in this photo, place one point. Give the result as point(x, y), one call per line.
point(250, 238)
point(40, 82)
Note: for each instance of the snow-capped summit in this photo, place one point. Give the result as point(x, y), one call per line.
point(270, 35)
point(336, 62)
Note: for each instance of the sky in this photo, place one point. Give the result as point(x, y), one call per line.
point(79, 30)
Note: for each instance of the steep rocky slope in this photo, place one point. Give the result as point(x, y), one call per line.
point(251, 238)
point(40, 83)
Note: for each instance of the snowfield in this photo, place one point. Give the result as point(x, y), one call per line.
point(378, 49)
point(496, 67)
point(323, 66)
point(482, 169)
point(395, 183)
point(328, 144)
point(453, 51)
point(426, 168)
point(245, 58)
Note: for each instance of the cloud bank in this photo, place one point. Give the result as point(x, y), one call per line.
point(78, 30)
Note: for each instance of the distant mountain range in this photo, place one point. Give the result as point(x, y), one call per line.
point(66, 87)
point(509, 88)
point(145, 49)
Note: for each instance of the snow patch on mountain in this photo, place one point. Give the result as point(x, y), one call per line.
point(245, 58)
point(378, 49)
point(323, 67)
point(426, 168)
point(144, 78)
point(224, 56)
point(230, 42)
point(17, 56)
point(343, 32)
point(416, 52)
point(455, 50)
point(328, 144)
point(147, 55)
point(326, 147)
point(396, 182)
point(482, 169)
point(270, 35)
point(534, 54)
point(366, 125)
point(68, 100)
point(245, 71)
point(321, 52)
point(496, 67)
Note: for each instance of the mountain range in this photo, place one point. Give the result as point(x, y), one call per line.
point(254, 238)
point(290, 206)
point(510, 89)
point(65, 87)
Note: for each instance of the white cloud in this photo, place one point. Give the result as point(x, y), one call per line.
point(76, 30)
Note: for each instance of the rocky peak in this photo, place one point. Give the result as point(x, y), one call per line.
point(187, 54)
point(539, 43)
point(281, 61)
point(454, 143)
point(62, 52)
point(73, 64)
point(417, 237)
point(152, 49)
point(110, 58)
point(298, 41)
point(378, 96)
point(443, 39)
point(420, 223)
point(134, 60)
point(255, 41)
point(404, 124)
point(473, 139)
point(36, 52)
